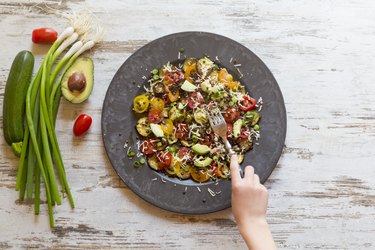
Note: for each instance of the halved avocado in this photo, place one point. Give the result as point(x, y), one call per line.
point(78, 81)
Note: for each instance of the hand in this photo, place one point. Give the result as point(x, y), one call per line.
point(249, 207)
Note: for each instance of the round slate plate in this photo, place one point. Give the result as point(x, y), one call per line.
point(118, 120)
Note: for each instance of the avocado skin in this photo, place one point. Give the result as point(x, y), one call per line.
point(86, 67)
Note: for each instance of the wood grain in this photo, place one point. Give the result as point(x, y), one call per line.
point(322, 193)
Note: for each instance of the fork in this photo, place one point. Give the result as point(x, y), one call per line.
point(219, 126)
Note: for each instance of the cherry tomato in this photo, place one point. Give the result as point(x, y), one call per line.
point(148, 147)
point(244, 135)
point(141, 103)
point(231, 115)
point(44, 35)
point(185, 153)
point(194, 100)
point(155, 116)
point(164, 158)
point(174, 76)
point(82, 124)
point(225, 77)
point(156, 104)
point(247, 103)
point(167, 126)
point(191, 69)
point(199, 175)
point(172, 91)
point(182, 131)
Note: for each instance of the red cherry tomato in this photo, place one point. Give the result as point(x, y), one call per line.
point(185, 153)
point(231, 115)
point(194, 100)
point(155, 116)
point(164, 158)
point(247, 103)
point(44, 35)
point(82, 124)
point(182, 131)
point(174, 76)
point(148, 147)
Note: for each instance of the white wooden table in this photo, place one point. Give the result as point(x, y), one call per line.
point(322, 192)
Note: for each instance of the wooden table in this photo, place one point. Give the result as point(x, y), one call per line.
point(322, 192)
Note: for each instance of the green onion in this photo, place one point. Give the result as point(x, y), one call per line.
point(136, 164)
point(156, 77)
point(142, 160)
point(195, 138)
point(256, 127)
point(131, 153)
point(159, 144)
point(182, 50)
point(155, 71)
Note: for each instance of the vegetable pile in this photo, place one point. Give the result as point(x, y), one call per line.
point(174, 125)
point(36, 143)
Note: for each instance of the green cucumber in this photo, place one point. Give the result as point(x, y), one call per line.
point(15, 97)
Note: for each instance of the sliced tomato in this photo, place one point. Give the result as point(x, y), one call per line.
point(156, 104)
point(195, 99)
point(223, 171)
point(148, 147)
point(213, 168)
point(189, 71)
point(155, 116)
point(182, 131)
point(247, 103)
point(225, 77)
point(164, 158)
point(231, 115)
point(141, 103)
point(244, 135)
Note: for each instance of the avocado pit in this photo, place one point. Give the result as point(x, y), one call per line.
point(77, 82)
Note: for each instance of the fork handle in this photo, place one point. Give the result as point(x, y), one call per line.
point(229, 148)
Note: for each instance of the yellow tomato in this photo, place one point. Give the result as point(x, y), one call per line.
point(167, 127)
point(225, 77)
point(156, 104)
point(141, 103)
point(174, 168)
point(199, 175)
point(192, 68)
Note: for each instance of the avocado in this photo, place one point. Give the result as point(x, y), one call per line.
point(237, 128)
point(200, 149)
point(156, 129)
point(188, 86)
point(203, 163)
point(78, 81)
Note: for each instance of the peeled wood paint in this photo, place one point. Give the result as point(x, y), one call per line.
point(322, 191)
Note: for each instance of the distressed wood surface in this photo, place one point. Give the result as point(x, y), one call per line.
point(322, 193)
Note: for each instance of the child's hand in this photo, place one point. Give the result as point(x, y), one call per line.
point(249, 206)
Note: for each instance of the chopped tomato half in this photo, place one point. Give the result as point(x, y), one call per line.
point(174, 76)
point(148, 147)
point(244, 135)
point(141, 103)
point(182, 131)
point(155, 116)
point(167, 126)
point(190, 70)
point(194, 100)
point(156, 104)
point(231, 115)
point(199, 175)
point(225, 77)
point(185, 153)
point(164, 158)
point(247, 103)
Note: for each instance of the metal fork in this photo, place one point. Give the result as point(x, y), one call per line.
point(219, 126)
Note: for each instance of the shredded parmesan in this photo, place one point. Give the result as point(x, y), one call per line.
point(212, 193)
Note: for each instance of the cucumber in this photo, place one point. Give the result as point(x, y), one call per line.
point(15, 97)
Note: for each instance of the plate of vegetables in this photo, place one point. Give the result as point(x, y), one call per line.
point(155, 120)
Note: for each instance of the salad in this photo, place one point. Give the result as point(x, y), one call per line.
point(176, 135)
